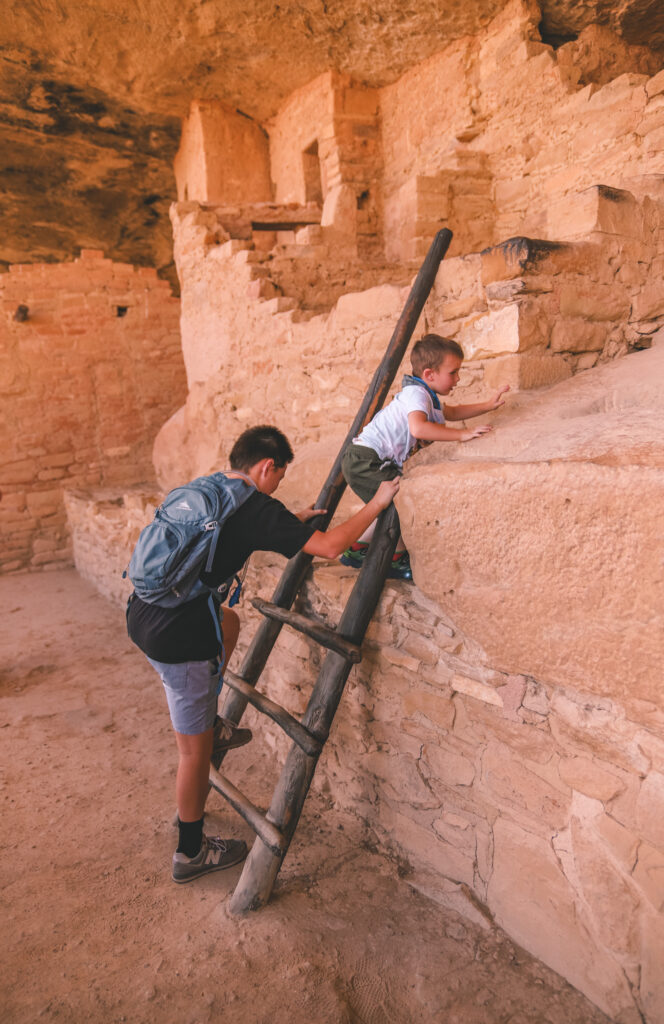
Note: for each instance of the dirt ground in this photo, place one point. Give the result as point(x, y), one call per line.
point(95, 930)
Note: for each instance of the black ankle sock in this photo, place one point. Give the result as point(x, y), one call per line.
point(191, 837)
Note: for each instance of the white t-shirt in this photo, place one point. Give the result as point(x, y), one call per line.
point(388, 432)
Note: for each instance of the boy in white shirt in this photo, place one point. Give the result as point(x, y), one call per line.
point(414, 418)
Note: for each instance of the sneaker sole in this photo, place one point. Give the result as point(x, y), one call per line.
point(232, 744)
point(350, 564)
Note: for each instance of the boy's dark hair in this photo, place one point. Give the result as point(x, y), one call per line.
point(429, 352)
point(258, 443)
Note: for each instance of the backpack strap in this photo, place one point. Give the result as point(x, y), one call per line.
point(235, 596)
point(238, 472)
point(214, 612)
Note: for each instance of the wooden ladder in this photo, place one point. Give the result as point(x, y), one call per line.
point(275, 829)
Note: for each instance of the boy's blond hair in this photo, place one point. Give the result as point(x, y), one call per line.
point(429, 352)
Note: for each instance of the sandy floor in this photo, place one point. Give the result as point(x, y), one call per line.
point(96, 931)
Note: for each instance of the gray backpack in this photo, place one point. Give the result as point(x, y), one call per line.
point(180, 542)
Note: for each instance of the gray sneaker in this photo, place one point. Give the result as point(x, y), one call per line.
point(215, 854)
point(227, 736)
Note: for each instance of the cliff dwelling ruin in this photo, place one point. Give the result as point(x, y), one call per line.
point(213, 214)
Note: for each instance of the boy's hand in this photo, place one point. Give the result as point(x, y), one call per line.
point(495, 402)
point(386, 491)
point(468, 435)
point(309, 513)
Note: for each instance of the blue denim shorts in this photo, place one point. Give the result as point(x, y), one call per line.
point(192, 690)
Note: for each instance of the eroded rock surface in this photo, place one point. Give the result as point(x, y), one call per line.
point(545, 538)
point(91, 100)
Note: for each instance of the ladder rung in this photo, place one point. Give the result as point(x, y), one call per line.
point(323, 635)
point(263, 828)
point(304, 739)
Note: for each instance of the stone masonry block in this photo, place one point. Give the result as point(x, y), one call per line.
point(584, 298)
point(652, 976)
point(477, 690)
point(576, 334)
point(587, 776)
point(519, 256)
point(649, 302)
point(609, 894)
point(655, 86)
point(424, 848)
point(443, 764)
point(535, 369)
point(599, 208)
point(527, 893)
point(649, 875)
point(510, 780)
point(650, 809)
point(514, 328)
point(439, 710)
point(373, 304)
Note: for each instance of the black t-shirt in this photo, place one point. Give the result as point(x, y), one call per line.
point(187, 632)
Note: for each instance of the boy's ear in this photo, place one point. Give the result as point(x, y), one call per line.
point(265, 466)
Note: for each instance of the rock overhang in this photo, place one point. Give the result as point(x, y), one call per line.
point(157, 56)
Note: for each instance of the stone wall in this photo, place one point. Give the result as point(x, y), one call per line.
point(92, 367)
point(222, 158)
point(506, 96)
point(326, 137)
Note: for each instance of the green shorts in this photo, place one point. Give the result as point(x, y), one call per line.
point(364, 470)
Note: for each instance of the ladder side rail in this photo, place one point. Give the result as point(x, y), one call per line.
point(333, 488)
point(262, 865)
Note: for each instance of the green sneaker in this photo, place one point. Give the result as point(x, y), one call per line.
point(355, 555)
point(400, 568)
point(215, 854)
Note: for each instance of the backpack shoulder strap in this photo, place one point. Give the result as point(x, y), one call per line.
point(243, 476)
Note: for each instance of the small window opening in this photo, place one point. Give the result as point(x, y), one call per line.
point(121, 310)
point(313, 186)
point(363, 199)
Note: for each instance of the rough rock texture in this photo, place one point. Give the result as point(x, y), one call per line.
point(159, 54)
point(90, 99)
point(81, 167)
point(560, 511)
point(91, 366)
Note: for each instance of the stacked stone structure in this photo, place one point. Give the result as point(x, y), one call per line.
point(91, 368)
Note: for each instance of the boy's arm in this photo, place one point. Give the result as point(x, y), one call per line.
point(335, 541)
point(466, 412)
point(424, 430)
